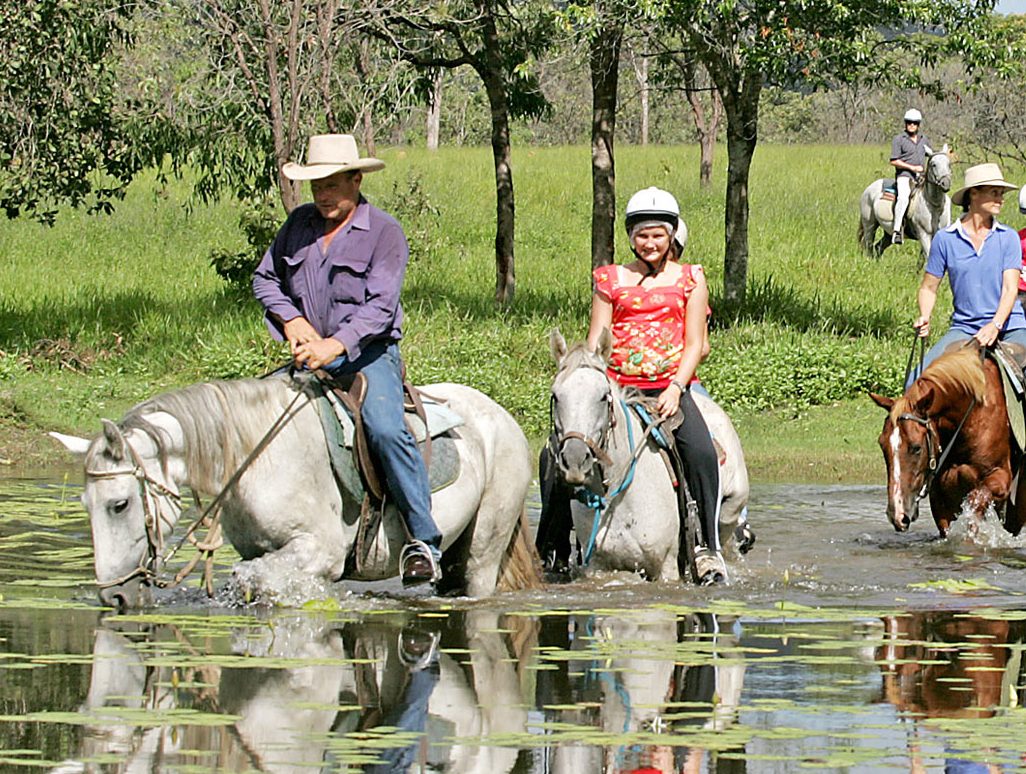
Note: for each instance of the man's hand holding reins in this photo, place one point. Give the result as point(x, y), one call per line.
point(922, 326)
point(317, 354)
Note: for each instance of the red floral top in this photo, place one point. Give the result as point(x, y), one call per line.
point(648, 327)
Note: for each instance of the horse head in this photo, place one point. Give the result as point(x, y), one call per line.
point(910, 444)
point(938, 403)
point(133, 503)
point(582, 407)
point(938, 169)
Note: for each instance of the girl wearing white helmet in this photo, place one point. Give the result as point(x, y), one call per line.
point(656, 311)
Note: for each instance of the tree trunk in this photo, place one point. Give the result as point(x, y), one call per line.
point(642, 74)
point(604, 60)
point(363, 68)
point(434, 115)
point(495, 87)
point(706, 127)
point(742, 110)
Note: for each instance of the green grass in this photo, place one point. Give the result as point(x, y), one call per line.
point(102, 311)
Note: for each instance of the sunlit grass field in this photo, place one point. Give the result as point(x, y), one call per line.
point(102, 311)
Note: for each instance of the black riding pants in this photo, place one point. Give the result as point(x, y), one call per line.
point(701, 471)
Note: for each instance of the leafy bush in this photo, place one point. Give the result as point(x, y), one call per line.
point(259, 222)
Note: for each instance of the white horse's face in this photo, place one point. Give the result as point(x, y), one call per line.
point(938, 170)
point(119, 479)
point(582, 413)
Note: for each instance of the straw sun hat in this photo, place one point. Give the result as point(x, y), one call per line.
point(981, 174)
point(328, 154)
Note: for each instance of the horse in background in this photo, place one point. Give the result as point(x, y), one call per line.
point(281, 506)
point(956, 408)
point(929, 208)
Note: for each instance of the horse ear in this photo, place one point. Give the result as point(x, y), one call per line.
point(605, 345)
point(946, 149)
point(882, 401)
point(557, 345)
point(924, 400)
point(115, 440)
point(74, 444)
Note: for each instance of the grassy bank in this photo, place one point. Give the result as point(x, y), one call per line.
point(102, 311)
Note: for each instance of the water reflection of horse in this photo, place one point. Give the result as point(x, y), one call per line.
point(958, 404)
point(929, 208)
point(309, 693)
point(285, 514)
point(651, 684)
point(925, 654)
point(604, 448)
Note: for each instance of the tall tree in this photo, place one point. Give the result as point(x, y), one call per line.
point(747, 44)
point(60, 118)
point(498, 39)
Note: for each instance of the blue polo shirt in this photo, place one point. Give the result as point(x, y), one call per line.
point(976, 277)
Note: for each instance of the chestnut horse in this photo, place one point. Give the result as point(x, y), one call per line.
point(949, 436)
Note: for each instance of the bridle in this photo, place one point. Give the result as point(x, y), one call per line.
point(596, 446)
point(934, 462)
point(151, 492)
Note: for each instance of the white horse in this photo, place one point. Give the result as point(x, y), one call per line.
point(647, 697)
point(639, 528)
point(929, 208)
point(285, 514)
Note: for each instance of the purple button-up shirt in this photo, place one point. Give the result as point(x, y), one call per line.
point(350, 292)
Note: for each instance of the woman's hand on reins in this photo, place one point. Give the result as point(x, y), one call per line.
point(669, 400)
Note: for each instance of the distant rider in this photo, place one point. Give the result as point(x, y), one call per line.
point(908, 156)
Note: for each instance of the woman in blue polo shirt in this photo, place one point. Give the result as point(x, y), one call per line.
point(982, 258)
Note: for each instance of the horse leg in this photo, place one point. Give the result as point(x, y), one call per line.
point(302, 569)
point(883, 244)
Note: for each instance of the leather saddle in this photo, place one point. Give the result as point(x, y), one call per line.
point(351, 391)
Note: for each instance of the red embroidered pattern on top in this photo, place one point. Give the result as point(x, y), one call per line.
point(648, 327)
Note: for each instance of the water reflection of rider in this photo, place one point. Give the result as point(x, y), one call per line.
point(418, 651)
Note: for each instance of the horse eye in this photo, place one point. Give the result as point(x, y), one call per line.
point(915, 449)
point(118, 506)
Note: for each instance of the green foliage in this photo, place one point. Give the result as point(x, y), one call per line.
point(61, 139)
point(259, 222)
point(821, 322)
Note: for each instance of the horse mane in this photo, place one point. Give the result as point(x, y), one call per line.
point(960, 370)
point(221, 421)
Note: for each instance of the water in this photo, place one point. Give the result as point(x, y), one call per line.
point(839, 646)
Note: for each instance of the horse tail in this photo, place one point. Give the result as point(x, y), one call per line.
point(520, 566)
point(862, 231)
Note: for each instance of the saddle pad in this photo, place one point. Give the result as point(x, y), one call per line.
point(445, 458)
point(884, 209)
point(440, 418)
point(1011, 381)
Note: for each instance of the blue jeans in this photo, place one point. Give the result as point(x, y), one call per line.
point(390, 440)
point(1017, 336)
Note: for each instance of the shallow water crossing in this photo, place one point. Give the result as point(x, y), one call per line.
point(839, 646)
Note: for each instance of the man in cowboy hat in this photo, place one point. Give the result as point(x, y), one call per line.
point(908, 156)
point(330, 286)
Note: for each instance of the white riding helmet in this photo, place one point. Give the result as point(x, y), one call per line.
point(1022, 200)
point(651, 204)
point(680, 236)
point(913, 115)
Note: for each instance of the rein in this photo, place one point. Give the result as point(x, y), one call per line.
point(150, 489)
point(599, 503)
point(935, 463)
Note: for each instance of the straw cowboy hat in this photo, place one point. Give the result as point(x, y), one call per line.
point(328, 154)
point(981, 174)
